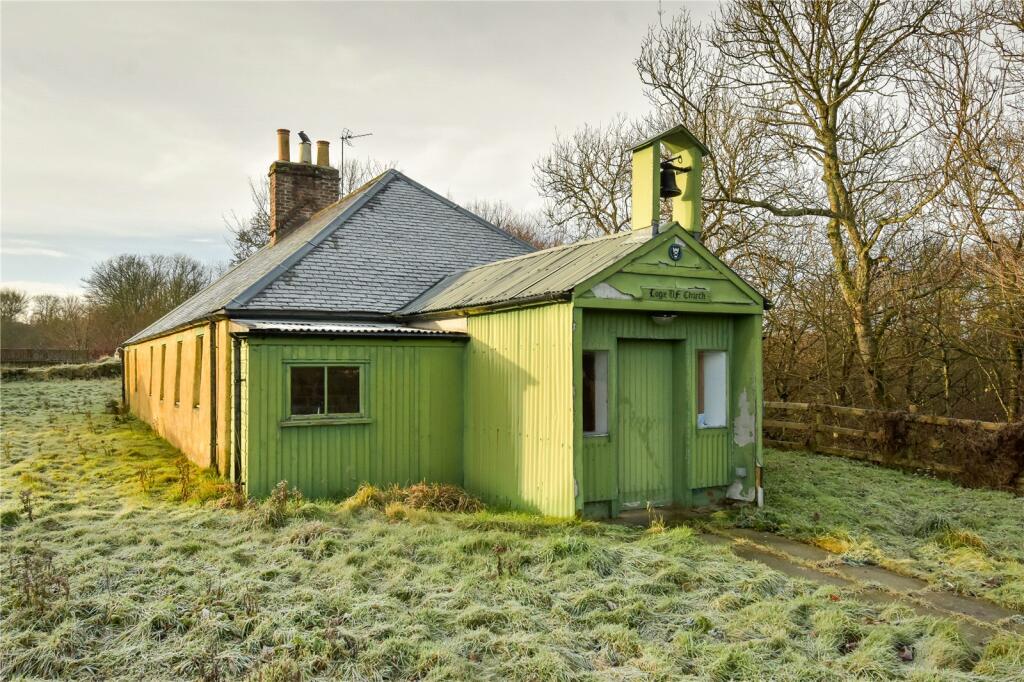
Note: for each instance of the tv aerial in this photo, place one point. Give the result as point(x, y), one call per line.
point(346, 141)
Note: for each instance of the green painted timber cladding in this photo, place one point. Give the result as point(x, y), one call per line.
point(519, 409)
point(703, 457)
point(412, 431)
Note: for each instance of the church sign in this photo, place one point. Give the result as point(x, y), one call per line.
point(678, 295)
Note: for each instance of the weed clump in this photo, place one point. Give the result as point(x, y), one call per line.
point(441, 497)
point(231, 496)
point(38, 579)
point(274, 511)
point(27, 506)
point(185, 481)
point(960, 538)
point(931, 524)
point(9, 518)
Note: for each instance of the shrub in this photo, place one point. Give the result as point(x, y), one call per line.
point(101, 369)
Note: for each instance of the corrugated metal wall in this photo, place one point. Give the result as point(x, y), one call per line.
point(519, 409)
point(706, 454)
point(414, 403)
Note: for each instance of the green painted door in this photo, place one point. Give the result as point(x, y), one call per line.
point(645, 422)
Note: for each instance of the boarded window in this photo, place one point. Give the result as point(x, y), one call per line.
point(163, 367)
point(595, 392)
point(135, 366)
point(331, 389)
point(177, 373)
point(151, 372)
point(197, 372)
point(712, 385)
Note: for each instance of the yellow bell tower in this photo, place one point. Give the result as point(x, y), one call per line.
point(681, 160)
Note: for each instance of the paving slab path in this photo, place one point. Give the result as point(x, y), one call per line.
point(978, 619)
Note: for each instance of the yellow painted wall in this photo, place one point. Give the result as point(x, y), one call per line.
point(519, 409)
point(181, 423)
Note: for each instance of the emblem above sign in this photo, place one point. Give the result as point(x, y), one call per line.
point(675, 251)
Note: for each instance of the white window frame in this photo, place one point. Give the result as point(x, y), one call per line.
point(715, 387)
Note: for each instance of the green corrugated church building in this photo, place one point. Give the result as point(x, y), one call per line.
point(391, 336)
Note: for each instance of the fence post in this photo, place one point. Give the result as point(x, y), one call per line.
point(812, 436)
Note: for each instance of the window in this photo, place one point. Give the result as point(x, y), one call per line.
point(712, 382)
point(197, 372)
point(595, 392)
point(163, 367)
point(177, 373)
point(151, 372)
point(326, 390)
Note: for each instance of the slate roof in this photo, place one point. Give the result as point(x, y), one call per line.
point(535, 276)
point(368, 254)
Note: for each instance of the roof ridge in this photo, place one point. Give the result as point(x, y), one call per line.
point(351, 194)
point(368, 191)
point(466, 211)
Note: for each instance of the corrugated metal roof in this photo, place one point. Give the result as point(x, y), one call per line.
point(536, 275)
point(340, 328)
point(371, 253)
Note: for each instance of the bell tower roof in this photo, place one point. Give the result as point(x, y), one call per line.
point(679, 135)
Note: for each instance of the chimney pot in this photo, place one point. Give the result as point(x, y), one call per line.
point(283, 145)
point(298, 190)
point(323, 155)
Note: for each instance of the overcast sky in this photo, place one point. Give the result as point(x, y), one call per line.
point(134, 127)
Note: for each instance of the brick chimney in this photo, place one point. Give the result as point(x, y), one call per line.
point(298, 190)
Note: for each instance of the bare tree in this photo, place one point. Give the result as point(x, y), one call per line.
point(130, 291)
point(980, 114)
point(357, 172)
point(14, 304)
point(585, 179)
point(63, 321)
point(828, 90)
point(529, 227)
point(250, 233)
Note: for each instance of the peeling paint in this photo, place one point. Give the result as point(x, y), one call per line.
point(736, 491)
point(605, 290)
point(744, 425)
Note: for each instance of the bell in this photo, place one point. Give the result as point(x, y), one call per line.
point(669, 188)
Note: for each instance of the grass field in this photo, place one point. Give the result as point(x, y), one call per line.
point(114, 576)
point(967, 541)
